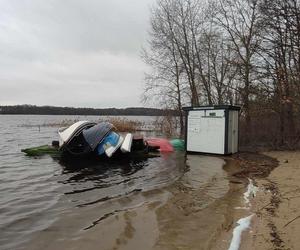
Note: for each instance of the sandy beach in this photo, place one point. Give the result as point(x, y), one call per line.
point(276, 224)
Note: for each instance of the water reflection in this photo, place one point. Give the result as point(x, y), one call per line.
point(100, 165)
point(87, 181)
point(98, 170)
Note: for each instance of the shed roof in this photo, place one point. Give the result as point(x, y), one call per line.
point(212, 107)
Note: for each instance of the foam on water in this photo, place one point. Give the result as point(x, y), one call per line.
point(243, 224)
point(251, 191)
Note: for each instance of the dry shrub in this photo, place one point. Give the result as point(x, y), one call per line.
point(168, 125)
point(265, 132)
point(125, 125)
point(63, 123)
point(121, 124)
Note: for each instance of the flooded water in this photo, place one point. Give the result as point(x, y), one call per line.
point(35, 191)
point(45, 202)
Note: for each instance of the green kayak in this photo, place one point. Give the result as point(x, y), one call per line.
point(41, 150)
point(178, 144)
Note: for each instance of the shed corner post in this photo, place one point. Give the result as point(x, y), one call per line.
point(226, 113)
point(186, 111)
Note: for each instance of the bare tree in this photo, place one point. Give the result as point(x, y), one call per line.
point(281, 53)
point(165, 82)
point(242, 22)
point(218, 69)
point(178, 18)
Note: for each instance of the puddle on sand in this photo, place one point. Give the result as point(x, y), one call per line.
point(188, 214)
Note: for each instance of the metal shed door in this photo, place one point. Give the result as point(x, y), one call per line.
point(206, 131)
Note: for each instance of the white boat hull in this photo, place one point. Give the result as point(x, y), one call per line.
point(126, 145)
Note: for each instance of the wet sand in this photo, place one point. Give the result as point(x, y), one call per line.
point(275, 208)
point(276, 224)
point(192, 213)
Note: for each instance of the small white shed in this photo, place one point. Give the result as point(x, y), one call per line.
point(212, 129)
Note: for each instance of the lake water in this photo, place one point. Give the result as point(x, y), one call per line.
point(36, 191)
point(138, 203)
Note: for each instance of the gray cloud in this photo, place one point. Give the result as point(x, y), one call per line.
point(72, 52)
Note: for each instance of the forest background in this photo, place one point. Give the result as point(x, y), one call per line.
point(238, 52)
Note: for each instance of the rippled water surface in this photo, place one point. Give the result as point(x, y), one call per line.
point(36, 191)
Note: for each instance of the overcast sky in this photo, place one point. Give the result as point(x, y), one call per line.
point(81, 53)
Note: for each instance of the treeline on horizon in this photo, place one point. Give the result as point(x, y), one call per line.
point(52, 110)
point(240, 52)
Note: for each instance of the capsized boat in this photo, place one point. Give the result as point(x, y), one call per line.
point(126, 145)
point(86, 138)
point(162, 144)
point(96, 134)
point(66, 134)
point(110, 144)
point(111, 149)
point(111, 139)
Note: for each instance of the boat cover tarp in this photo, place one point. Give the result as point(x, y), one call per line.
point(97, 133)
point(164, 144)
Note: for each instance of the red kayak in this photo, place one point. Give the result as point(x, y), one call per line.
point(163, 144)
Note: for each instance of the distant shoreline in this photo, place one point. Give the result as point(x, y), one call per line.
point(79, 115)
point(52, 110)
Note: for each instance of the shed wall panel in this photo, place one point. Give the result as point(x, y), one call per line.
point(230, 125)
point(206, 131)
point(235, 131)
